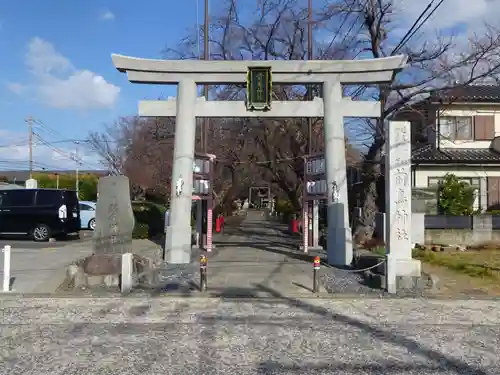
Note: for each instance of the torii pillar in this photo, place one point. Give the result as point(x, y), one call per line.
point(186, 74)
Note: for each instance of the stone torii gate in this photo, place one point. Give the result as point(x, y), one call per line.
point(259, 76)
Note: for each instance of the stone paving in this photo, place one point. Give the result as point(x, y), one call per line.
point(260, 254)
point(256, 257)
point(248, 336)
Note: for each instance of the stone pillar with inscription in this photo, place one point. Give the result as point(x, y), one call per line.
point(339, 238)
point(398, 203)
point(114, 217)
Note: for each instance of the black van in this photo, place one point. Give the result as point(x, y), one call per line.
point(39, 213)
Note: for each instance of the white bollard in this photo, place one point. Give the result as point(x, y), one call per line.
point(6, 268)
point(390, 274)
point(127, 269)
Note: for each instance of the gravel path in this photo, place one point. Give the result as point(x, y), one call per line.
point(282, 336)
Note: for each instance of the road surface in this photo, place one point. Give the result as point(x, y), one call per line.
point(26, 243)
point(42, 269)
point(257, 336)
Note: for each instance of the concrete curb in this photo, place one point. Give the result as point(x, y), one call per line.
point(200, 296)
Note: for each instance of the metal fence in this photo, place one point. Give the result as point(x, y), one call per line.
point(461, 222)
point(447, 222)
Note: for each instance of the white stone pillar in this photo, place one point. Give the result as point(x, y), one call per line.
point(199, 223)
point(178, 243)
point(315, 215)
point(127, 271)
point(339, 238)
point(398, 201)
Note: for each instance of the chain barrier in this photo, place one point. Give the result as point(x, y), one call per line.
point(359, 270)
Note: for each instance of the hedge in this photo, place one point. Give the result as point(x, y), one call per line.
point(149, 219)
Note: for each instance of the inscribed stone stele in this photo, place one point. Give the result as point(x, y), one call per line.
point(114, 216)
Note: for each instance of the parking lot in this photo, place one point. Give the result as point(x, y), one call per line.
point(27, 243)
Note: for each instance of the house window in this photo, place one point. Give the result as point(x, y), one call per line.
point(456, 128)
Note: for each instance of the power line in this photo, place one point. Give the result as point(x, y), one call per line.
point(64, 154)
point(48, 129)
point(410, 33)
point(426, 18)
point(416, 27)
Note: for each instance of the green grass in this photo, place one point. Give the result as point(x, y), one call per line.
point(484, 264)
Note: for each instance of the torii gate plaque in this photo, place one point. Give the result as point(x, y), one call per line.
point(186, 74)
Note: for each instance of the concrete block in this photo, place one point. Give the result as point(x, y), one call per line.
point(482, 228)
point(112, 280)
point(95, 280)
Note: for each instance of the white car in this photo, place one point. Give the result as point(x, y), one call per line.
point(87, 214)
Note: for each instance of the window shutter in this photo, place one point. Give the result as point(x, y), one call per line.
point(484, 128)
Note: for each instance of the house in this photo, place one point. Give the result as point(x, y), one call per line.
point(454, 131)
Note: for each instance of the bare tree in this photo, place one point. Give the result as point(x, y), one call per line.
point(279, 32)
point(437, 63)
point(111, 144)
point(140, 148)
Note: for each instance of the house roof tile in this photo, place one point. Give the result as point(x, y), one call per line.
point(429, 154)
point(473, 93)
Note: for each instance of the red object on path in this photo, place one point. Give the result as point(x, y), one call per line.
point(295, 226)
point(217, 225)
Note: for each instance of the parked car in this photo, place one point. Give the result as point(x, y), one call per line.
point(87, 215)
point(39, 213)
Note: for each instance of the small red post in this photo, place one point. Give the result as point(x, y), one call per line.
point(217, 224)
point(295, 226)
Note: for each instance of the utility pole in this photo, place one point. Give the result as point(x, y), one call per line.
point(77, 171)
point(206, 56)
point(29, 120)
point(309, 57)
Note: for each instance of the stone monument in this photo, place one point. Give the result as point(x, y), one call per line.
point(114, 217)
point(401, 268)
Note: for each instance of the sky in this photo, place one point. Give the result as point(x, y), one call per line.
point(56, 65)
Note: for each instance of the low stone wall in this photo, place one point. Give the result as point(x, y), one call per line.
point(481, 231)
point(464, 237)
point(104, 270)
